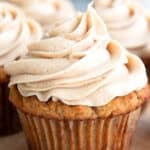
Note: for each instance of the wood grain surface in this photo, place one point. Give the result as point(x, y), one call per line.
point(141, 140)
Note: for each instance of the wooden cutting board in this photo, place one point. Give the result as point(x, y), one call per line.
point(141, 138)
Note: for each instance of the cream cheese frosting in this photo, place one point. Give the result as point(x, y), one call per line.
point(78, 65)
point(46, 11)
point(16, 31)
point(128, 23)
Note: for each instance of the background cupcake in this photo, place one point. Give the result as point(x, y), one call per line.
point(16, 31)
point(78, 80)
point(129, 23)
point(46, 11)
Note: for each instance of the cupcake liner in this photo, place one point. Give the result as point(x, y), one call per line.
point(9, 121)
point(98, 134)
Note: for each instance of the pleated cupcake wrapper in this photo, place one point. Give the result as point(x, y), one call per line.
point(9, 121)
point(99, 134)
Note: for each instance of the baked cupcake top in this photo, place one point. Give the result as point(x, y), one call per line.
point(78, 65)
point(127, 22)
point(46, 11)
point(16, 31)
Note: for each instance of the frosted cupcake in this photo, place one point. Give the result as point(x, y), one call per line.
point(16, 31)
point(47, 11)
point(78, 80)
point(129, 23)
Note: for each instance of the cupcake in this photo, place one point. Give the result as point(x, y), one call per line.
point(128, 23)
point(46, 11)
point(16, 31)
point(78, 80)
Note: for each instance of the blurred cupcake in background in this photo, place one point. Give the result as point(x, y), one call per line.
point(16, 31)
point(82, 90)
point(128, 23)
point(47, 11)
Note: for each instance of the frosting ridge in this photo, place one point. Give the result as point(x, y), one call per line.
point(127, 22)
point(47, 11)
point(78, 64)
point(16, 32)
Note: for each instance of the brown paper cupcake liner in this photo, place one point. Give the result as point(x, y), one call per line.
point(9, 121)
point(96, 134)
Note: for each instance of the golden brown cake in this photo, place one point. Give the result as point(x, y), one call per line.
point(82, 90)
point(60, 111)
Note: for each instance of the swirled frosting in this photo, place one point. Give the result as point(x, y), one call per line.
point(47, 11)
point(16, 31)
point(78, 64)
point(127, 22)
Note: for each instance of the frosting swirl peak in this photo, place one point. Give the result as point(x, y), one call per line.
point(78, 64)
point(46, 11)
point(16, 31)
point(127, 22)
